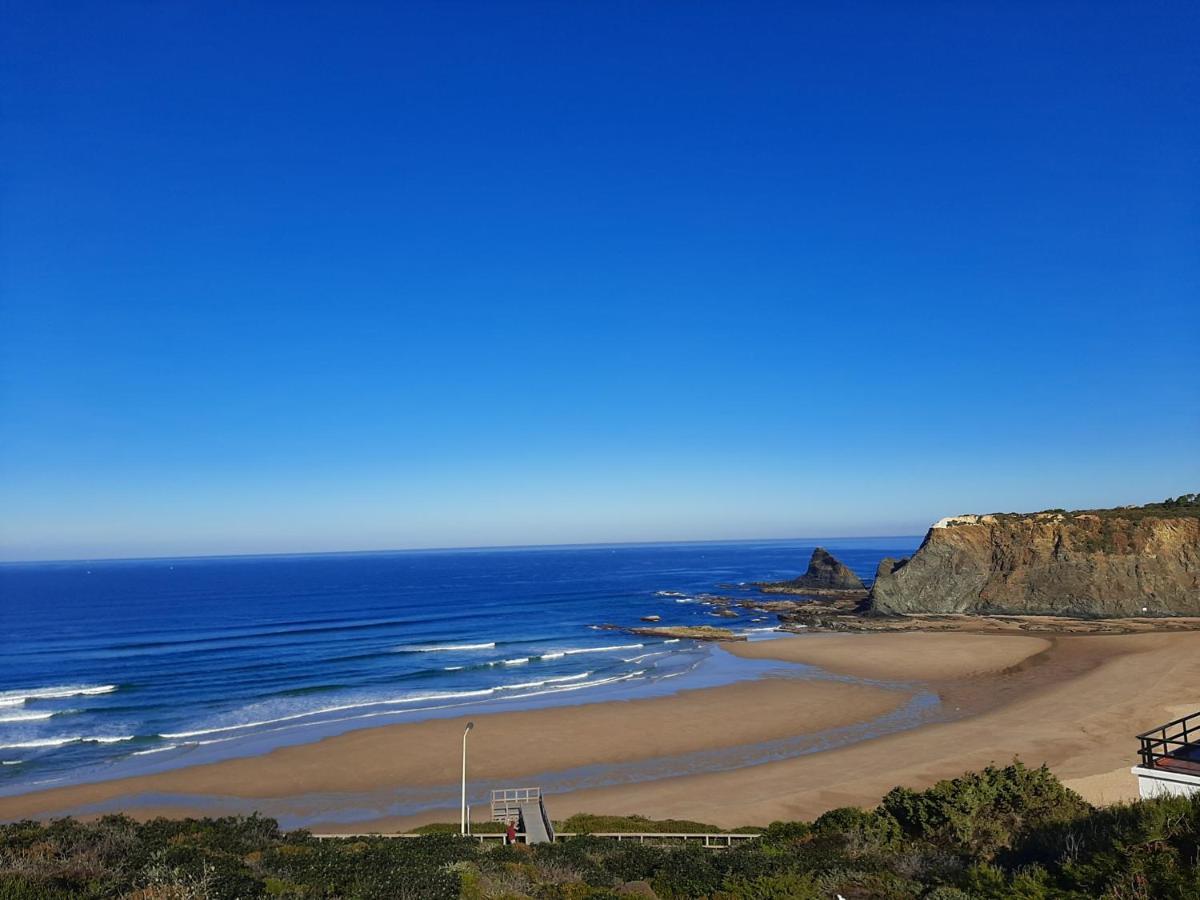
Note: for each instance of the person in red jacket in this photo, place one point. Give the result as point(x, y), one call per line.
point(510, 834)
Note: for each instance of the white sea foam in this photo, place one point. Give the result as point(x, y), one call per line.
point(57, 692)
point(588, 684)
point(560, 683)
point(372, 715)
point(575, 650)
point(453, 668)
point(11, 762)
point(435, 648)
point(542, 683)
point(24, 716)
point(73, 739)
point(519, 661)
point(640, 657)
point(447, 695)
point(559, 654)
point(154, 750)
point(416, 698)
point(672, 641)
point(44, 742)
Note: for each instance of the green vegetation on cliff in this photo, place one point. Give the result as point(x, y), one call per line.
point(1003, 832)
point(1172, 508)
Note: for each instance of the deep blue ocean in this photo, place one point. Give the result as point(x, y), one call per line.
point(111, 668)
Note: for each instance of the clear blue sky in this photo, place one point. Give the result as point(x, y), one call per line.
point(319, 276)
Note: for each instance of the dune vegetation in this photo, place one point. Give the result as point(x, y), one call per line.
point(1004, 832)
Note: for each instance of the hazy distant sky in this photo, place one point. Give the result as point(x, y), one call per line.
point(303, 276)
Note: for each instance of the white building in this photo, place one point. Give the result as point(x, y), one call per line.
point(1169, 763)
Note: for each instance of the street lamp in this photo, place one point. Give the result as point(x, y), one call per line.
point(463, 817)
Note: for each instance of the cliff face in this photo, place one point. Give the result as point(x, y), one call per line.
point(1048, 564)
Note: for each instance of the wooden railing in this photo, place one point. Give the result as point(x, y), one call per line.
point(1162, 745)
point(506, 804)
point(713, 841)
point(665, 837)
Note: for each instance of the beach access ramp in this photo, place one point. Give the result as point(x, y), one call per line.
point(526, 808)
point(536, 824)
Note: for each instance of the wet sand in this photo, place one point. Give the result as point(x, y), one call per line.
point(910, 656)
point(1071, 701)
point(512, 745)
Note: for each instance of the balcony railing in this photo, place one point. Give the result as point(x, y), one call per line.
point(1175, 746)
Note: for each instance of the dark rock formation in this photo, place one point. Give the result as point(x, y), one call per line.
point(887, 566)
point(690, 632)
point(825, 573)
point(1099, 563)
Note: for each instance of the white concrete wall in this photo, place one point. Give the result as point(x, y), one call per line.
point(1157, 783)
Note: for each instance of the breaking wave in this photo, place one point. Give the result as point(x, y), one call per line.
point(154, 750)
point(564, 682)
point(542, 683)
point(437, 648)
point(24, 716)
point(575, 650)
point(16, 698)
point(63, 741)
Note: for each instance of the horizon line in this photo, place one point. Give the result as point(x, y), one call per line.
point(463, 549)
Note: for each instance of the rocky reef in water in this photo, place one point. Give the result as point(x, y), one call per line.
point(688, 632)
point(825, 574)
point(1130, 561)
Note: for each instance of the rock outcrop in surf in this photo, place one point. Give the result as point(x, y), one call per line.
point(825, 574)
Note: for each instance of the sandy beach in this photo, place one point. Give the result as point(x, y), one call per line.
point(1075, 706)
point(505, 745)
point(908, 656)
point(1073, 702)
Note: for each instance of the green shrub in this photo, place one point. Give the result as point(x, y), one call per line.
point(14, 887)
point(859, 830)
point(453, 827)
point(587, 823)
point(982, 812)
point(687, 872)
point(1005, 832)
point(786, 832)
point(787, 886)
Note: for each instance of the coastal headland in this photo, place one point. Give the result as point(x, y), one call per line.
point(1070, 701)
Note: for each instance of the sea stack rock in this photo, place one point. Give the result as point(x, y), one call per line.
point(1132, 561)
point(887, 566)
point(825, 573)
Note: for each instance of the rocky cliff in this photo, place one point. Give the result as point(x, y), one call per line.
point(1097, 563)
point(826, 573)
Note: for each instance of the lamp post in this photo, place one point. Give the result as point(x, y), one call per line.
point(463, 817)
